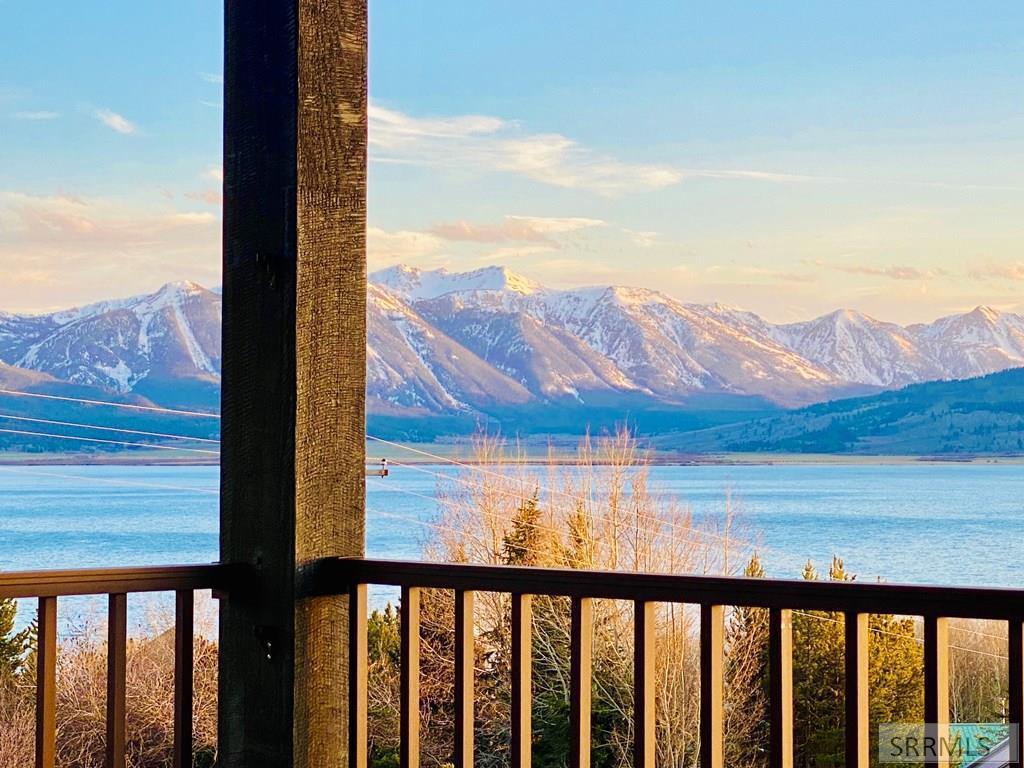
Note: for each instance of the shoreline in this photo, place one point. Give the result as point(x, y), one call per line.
point(559, 458)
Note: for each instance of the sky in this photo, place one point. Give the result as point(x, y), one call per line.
point(787, 158)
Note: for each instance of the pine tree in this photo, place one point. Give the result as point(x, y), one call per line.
point(522, 544)
point(13, 645)
point(895, 676)
point(746, 688)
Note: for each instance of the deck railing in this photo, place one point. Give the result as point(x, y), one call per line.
point(857, 601)
point(116, 584)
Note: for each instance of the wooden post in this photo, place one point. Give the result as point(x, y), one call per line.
point(712, 673)
point(292, 461)
point(936, 687)
point(780, 687)
point(858, 745)
point(644, 680)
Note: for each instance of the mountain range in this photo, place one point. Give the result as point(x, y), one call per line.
point(448, 350)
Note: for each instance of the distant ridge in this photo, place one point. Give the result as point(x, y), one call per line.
point(448, 351)
point(981, 415)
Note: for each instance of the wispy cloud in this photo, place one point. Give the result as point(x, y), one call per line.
point(115, 122)
point(513, 228)
point(385, 248)
point(1012, 271)
point(38, 115)
point(67, 249)
point(893, 272)
point(509, 253)
point(641, 238)
point(492, 144)
point(211, 77)
point(214, 173)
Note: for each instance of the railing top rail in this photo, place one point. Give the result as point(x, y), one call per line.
point(99, 581)
point(337, 575)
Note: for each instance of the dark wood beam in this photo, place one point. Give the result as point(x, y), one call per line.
point(292, 457)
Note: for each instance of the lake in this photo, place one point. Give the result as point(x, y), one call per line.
point(908, 522)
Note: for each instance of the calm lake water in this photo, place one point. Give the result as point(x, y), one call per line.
point(926, 523)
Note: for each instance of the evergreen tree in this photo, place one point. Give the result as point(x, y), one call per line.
point(895, 676)
point(521, 545)
point(746, 681)
point(13, 645)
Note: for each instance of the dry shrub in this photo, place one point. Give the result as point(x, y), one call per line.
point(82, 695)
point(596, 511)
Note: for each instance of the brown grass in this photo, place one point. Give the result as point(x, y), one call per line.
point(82, 692)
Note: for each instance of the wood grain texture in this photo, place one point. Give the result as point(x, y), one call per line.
point(257, 510)
point(292, 486)
point(330, 349)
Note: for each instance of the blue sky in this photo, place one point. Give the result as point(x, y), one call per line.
point(789, 158)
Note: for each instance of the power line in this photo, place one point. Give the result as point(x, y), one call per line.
point(110, 481)
point(533, 482)
point(84, 401)
point(79, 425)
point(551, 529)
point(916, 639)
point(875, 630)
point(108, 442)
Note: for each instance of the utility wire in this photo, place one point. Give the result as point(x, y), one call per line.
point(84, 401)
point(121, 430)
point(916, 639)
point(540, 526)
point(112, 481)
point(537, 485)
point(108, 442)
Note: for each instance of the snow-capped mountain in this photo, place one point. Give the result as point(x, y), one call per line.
point(859, 349)
point(411, 366)
point(490, 340)
point(127, 345)
point(982, 340)
point(413, 284)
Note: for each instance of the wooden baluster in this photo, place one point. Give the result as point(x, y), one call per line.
point(184, 633)
point(581, 653)
point(643, 684)
point(780, 674)
point(117, 667)
point(1015, 675)
point(358, 677)
point(936, 685)
point(464, 668)
point(712, 658)
point(522, 676)
point(46, 683)
point(857, 734)
point(409, 726)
